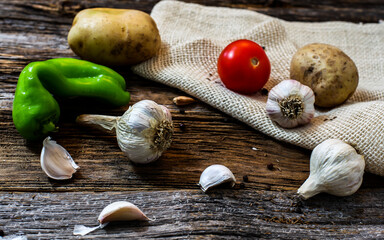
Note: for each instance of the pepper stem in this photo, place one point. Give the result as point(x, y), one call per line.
point(104, 121)
point(49, 127)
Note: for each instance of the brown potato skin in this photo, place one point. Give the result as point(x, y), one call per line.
point(328, 71)
point(114, 37)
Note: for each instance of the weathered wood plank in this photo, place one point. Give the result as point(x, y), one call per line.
point(208, 137)
point(224, 214)
point(355, 11)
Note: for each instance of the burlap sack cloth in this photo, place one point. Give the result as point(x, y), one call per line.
point(193, 37)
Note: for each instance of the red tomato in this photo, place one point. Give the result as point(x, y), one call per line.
point(244, 67)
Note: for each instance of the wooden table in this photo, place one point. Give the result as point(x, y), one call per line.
point(263, 203)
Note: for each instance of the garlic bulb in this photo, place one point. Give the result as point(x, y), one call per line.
point(143, 132)
point(117, 211)
point(56, 162)
point(335, 168)
point(215, 175)
point(290, 104)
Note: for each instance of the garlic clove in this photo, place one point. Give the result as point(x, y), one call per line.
point(121, 211)
point(117, 211)
point(335, 168)
point(290, 104)
point(183, 100)
point(56, 162)
point(215, 175)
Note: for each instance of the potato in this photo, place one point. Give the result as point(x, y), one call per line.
point(328, 71)
point(114, 37)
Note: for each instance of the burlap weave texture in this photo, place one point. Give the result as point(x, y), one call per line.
point(193, 37)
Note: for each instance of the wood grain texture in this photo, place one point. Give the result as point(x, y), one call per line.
point(220, 214)
point(54, 11)
point(263, 206)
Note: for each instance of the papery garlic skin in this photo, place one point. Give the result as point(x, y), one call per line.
point(215, 175)
point(290, 104)
point(335, 168)
point(145, 131)
point(81, 230)
point(56, 162)
point(121, 211)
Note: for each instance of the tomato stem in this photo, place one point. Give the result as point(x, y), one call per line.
point(254, 61)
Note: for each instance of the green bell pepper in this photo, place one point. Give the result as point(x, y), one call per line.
point(36, 112)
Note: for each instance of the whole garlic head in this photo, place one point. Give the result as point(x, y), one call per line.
point(335, 168)
point(143, 133)
point(290, 104)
